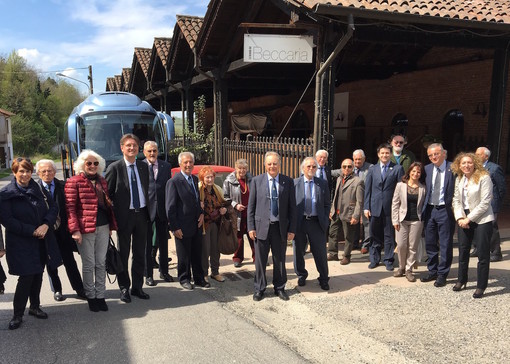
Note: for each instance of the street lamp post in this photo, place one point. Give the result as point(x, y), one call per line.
point(74, 79)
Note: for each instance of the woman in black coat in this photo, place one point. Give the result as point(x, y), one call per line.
point(28, 215)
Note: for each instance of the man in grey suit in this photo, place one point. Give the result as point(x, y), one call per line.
point(312, 202)
point(498, 194)
point(380, 184)
point(271, 223)
point(347, 206)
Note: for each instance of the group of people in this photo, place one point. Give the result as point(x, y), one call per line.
point(375, 207)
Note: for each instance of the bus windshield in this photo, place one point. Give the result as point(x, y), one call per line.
point(101, 132)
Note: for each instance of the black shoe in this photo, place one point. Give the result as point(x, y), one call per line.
point(390, 268)
point(429, 278)
point(93, 304)
point(496, 258)
point(478, 293)
point(15, 322)
point(57, 296)
point(150, 282)
point(155, 264)
point(2, 288)
point(373, 265)
point(38, 313)
point(324, 286)
point(187, 285)
point(474, 253)
point(301, 281)
point(440, 282)
point(81, 294)
point(203, 284)
point(282, 294)
point(101, 304)
point(124, 295)
point(166, 277)
point(257, 296)
point(140, 294)
point(459, 287)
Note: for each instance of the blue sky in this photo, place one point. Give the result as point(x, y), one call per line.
point(68, 35)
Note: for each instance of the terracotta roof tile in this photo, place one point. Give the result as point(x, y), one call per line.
point(126, 75)
point(190, 27)
point(143, 56)
point(497, 11)
point(110, 84)
point(118, 82)
point(163, 48)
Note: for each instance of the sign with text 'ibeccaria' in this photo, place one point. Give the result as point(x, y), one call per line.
point(278, 48)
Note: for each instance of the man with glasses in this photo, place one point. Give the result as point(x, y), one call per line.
point(400, 156)
point(438, 215)
point(346, 209)
point(312, 205)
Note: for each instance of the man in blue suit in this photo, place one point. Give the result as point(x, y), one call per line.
point(498, 194)
point(185, 219)
point(313, 203)
point(380, 184)
point(271, 223)
point(438, 215)
point(159, 174)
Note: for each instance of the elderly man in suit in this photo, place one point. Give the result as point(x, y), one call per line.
point(438, 215)
point(271, 223)
point(379, 187)
point(361, 169)
point(312, 202)
point(185, 219)
point(46, 170)
point(498, 194)
point(347, 207)
point(159, 174)
point(323, 170)
point(128, 184)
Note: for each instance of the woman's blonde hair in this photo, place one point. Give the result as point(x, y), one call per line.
point(478, 172)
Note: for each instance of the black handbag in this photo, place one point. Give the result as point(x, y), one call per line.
point(114, 264)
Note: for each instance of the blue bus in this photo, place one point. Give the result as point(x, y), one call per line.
point(99, 122)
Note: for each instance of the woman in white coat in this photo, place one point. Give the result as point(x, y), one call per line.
point(406, 210)
point(473, 213)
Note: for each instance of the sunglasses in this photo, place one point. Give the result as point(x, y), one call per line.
point(346, 167)
point(21, 159)
point(92, 163)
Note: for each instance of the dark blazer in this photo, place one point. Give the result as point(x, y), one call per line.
point(327, 169)
point(119, 191)
point(259, 206)
point(182, 206)
point(379, 193)
point(499, 185)
point(322, 201)
point(449, 187)
point(157, 207)
point(21, 214)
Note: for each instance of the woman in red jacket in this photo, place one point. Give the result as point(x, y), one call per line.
point(90, 221)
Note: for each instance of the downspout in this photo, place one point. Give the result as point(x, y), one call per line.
point(324, 66)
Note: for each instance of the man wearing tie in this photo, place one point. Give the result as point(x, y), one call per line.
point(46, 170)
point(361, 169)
point(185, 219)
point(380, 184)
point(438, 217)
point(323, 170)
point(159, 174)
point(312, 203)
point(128, 184)
point(271, 223)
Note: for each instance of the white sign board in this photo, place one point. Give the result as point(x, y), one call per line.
point(278, 48)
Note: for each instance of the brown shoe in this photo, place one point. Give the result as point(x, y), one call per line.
point(332, 256)
point(364, 250)
point(410, 276)
point(345, 261)
point(398, 273)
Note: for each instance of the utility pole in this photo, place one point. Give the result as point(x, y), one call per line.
point(90, 80)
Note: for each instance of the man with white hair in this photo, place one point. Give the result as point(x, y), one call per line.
point(399, 155)
point(498, 194)
point(323, 170)
point(360, 169)
point(46, 170)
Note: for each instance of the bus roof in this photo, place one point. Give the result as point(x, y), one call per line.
point(108, 101)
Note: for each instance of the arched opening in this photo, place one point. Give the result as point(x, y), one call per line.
point(453, 132)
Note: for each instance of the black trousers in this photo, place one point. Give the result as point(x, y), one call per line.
point(278, 246)
point(312, 230)
point(133, 236)
point(158, 229)
point(28, 286)
point(73, 273)
point(189, 256)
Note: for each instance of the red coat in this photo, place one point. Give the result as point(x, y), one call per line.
point(81, 204)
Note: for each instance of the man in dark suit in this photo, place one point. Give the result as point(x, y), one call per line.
point(46, 170)
point(185, 219)
point(498, 194)
point(128, 184)
point(323, 170)
point(271, 223)
point(379, 187)
point(438, 215)
point(313, 203)
point(159, 174)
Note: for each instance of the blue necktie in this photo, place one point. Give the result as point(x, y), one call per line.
point(274, 199)
point(134, 188)
point(383, 174)
point(308, 199)
point(192, 185)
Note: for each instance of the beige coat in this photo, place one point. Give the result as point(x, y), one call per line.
point(351, 198)
point(479, 200)
point(399, 203)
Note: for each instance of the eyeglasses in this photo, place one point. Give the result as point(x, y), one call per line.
point(313, 167)
point(398, 142)
point(346, 167)
point(47, 171)
point(21, 159)
point(88, 163)
point(434, 155)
